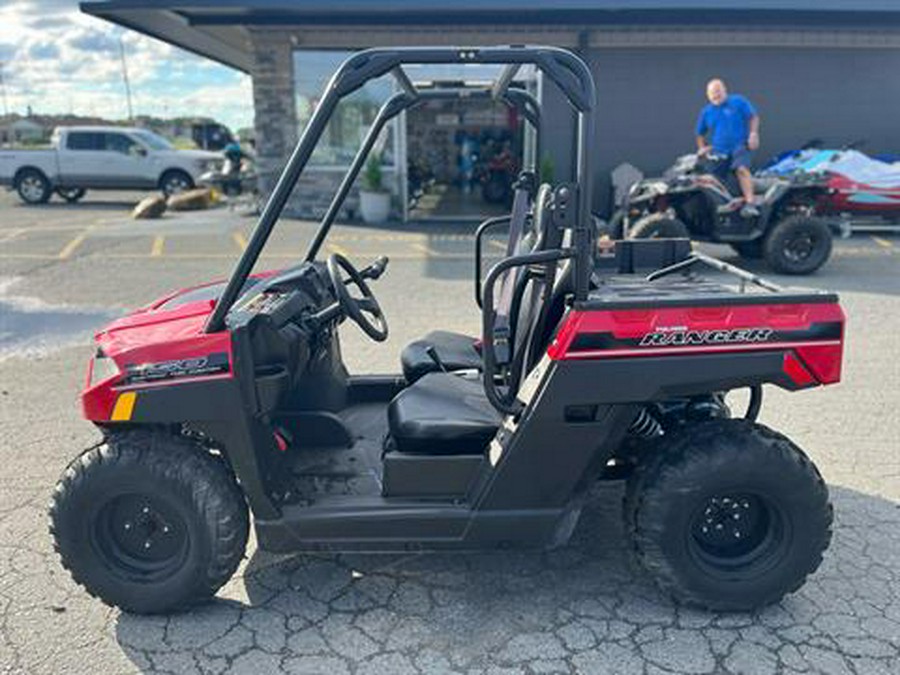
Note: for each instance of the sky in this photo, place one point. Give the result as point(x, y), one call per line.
point(58, 60)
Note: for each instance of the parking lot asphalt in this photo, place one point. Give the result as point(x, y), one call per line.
point(65, 270)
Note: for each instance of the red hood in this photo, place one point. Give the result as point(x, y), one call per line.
point(164, 324)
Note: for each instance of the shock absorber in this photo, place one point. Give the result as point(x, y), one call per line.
point(645, 425)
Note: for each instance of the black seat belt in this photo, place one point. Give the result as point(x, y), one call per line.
point(524, 188)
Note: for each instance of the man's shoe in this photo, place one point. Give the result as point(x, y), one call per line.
point(749, 211)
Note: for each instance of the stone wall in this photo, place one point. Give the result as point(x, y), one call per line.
point(277, 133)
point(275, 118)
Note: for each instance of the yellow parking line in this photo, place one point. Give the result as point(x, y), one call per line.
point(497, 244)
point(427, 250)
point(340, 250)
point(882, 242)
point(240, 240)
point(69, 248)
point(158, 243)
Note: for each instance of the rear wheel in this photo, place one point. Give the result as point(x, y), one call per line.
point(149, 522)
point(798, 245)
point(730, 516)
point(752, 250)
point(33, 186)
point(658, 226)
point(71, 195)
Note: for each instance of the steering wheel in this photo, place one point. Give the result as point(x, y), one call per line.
point(365, 311)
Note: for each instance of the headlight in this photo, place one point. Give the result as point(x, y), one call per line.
point(102, 368)
point(207, 165)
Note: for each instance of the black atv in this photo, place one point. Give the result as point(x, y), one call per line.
point(698, 197)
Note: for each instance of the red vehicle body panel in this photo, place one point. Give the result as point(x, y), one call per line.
point(811, 335)
point(154, 334)
point(850, 196)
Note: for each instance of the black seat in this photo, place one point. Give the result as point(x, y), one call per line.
point(442, 414)
point(456, 351)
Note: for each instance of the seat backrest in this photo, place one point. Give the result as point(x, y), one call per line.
point(536, 292)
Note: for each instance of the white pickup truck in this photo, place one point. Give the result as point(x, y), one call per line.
point(102, 158)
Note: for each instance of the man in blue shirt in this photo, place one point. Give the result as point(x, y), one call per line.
point(732, 124)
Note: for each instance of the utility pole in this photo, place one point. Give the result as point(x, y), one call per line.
point(3, 90)
point(125, 78)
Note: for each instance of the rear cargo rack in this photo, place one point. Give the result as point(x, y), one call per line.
point(697, 258)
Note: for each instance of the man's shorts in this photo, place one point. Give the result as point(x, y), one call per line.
point(740, 157)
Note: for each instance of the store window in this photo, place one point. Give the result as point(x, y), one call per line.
point(353, 117)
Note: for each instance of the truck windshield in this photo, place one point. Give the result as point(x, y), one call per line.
point(153, 141)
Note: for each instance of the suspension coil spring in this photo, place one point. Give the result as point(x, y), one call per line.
point(645, 425)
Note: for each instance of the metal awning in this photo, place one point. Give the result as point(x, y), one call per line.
point(218, 29)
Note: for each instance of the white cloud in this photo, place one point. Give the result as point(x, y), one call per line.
point(57, 60)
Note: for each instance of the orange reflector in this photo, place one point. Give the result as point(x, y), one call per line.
point(124, 407)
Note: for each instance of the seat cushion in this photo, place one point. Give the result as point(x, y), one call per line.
point(442, 414)
point(455, 350)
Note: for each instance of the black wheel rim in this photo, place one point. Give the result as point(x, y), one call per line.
point(736, 531)
point(801, 246)
point(140, 537)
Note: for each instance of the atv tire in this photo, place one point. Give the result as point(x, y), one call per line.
point(730, 516)
point(658, 226)
point(798, 245)
point(149, 522)
point(751, 250)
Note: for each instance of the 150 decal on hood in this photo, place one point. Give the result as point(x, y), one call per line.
point(166, 370)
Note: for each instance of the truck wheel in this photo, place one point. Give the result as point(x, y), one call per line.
point(33, 186)
point(71, 195)
point(174, 181)
point(658, 226)
point(149, 522)
point(798, 245)
point(752, 250)
point(731, 516)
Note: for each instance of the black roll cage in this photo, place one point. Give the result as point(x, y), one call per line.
point(564, 68)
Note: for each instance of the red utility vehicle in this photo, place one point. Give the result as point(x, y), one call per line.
point(229, 400)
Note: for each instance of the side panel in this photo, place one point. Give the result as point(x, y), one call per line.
point(812, 332)
point(583, 409)
point(540, 461)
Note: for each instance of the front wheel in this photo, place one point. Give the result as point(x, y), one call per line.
point(730, 516)
point(798, 245)
point(175, 181)
point(149, 522)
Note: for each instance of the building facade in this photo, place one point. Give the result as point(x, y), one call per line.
point(825, 69)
